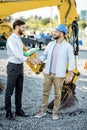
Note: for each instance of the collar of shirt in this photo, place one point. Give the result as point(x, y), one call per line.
point(15, 35)
point(63, 41)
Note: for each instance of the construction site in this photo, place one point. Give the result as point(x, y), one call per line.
point(73, 106)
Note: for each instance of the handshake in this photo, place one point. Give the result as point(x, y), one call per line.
point(33, 61)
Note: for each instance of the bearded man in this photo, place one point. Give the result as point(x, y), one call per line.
point(15, 70)
point(57, 54)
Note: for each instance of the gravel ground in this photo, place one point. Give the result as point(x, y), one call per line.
point(76, 119)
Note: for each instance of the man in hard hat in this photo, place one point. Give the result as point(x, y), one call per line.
point(56, 54)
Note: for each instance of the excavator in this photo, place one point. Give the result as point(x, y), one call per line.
point(67, 15)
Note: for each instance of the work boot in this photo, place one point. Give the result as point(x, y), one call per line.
point(9, 116)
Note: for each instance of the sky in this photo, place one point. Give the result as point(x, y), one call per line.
point(50, 11)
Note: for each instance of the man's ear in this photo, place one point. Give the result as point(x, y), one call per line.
point(17, 27)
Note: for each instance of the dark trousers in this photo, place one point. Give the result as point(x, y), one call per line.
point(14, 80)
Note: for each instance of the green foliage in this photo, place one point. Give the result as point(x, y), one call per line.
point(82, 24)
point(39, 23)
point(45, 21)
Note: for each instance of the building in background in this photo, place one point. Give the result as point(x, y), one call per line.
point(83, 15)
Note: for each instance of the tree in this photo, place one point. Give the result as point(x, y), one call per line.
point(45, 21)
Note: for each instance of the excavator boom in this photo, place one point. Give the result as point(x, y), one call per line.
point(66, 8)
point(10, 7)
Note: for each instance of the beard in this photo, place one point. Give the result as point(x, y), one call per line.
point(20, 32)
point(56, 37)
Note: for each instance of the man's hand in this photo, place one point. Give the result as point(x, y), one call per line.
point(33, 61)
point(69, 77)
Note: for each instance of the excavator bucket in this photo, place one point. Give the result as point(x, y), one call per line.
point(68, 98)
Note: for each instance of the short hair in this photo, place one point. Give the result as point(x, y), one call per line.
point(18, 23)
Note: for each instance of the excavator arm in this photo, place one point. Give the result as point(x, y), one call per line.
point(66, 8)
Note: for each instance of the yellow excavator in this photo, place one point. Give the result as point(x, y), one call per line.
point(67, 15)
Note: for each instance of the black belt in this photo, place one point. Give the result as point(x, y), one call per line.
point(15, 63)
